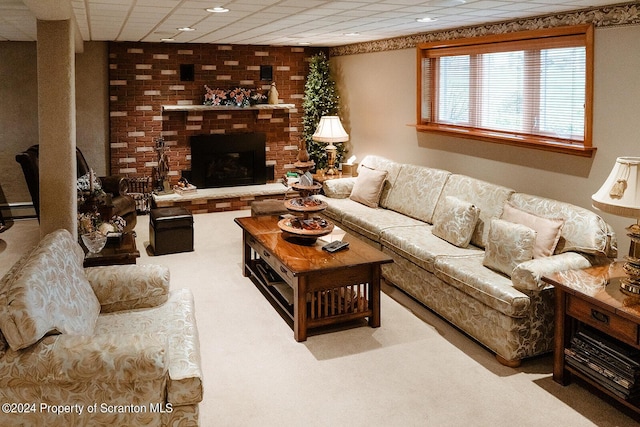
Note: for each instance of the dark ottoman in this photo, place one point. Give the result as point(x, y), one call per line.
point(170, 230)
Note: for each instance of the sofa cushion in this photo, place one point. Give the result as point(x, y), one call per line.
point(470, 276)
point(174, 321)
point(371, 222)
point(49, 294)
point(417, 184)
point(583, 230)
point(368, 186)
point(508, 245)
point(547, 229)
point(456, 221)
point(381, 163)
point(419, 245)
point(487, 197)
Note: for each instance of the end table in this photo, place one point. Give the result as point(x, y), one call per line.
point(114, 253)
point(592, 297)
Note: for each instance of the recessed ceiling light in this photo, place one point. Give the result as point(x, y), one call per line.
point(351, 34)
point(167, 40)
point(186, 29)
point(426, 19)
point(217, 9)
point(304, 43)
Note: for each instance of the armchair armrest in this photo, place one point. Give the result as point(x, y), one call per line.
point(527, 276)
point(125, 287)
point(339, 188)
point(116, 185)
point(108, 358)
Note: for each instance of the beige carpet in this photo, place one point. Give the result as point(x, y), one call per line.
point(415, 370)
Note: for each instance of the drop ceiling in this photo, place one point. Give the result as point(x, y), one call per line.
point(268, 22)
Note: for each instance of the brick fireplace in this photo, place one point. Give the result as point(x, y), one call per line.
point(153, 85)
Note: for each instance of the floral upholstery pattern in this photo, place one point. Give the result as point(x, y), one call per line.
point(508, 245)
point(600, 240)
point(174, 320)
point(139, 356)
point(528, 275)
point(513, 338)
point(417, 183)
point(488, 198)
point(470, 276)
point(511, 316)
point(51, 277)
point(419, 245)
point(371, 222)
point(456, 222)
point(339, 188)
point(126, 287)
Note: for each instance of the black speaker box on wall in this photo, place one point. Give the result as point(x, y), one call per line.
point(266, 72)
point(187, 72)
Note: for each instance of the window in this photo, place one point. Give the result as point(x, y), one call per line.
point(531, 89)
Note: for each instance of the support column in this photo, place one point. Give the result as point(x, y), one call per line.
point(57, 126)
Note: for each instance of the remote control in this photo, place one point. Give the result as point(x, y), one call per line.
point(335, 246)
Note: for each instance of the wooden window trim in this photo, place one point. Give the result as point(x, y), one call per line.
point(573, 35)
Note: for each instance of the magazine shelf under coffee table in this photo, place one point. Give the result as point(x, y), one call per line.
point(326, 288)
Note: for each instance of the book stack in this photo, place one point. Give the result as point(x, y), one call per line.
point(612, 364)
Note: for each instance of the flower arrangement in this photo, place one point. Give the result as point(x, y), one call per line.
point(88, 222)
point(238, 97)
point(91, 198)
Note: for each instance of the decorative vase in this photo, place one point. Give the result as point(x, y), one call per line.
point(272, 98)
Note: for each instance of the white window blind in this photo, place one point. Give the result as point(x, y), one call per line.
point(531, 90)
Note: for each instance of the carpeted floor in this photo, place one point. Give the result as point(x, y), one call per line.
point(415, 370)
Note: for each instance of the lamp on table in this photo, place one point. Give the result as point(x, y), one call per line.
point(330, 130)
point(620, 195)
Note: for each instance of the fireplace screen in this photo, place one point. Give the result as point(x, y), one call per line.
point(228, 160)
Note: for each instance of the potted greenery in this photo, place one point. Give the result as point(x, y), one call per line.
point(320, 99)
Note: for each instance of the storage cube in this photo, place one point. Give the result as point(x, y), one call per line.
point(170, 230)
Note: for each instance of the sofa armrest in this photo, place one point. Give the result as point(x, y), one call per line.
point(116, 185)
point(339, 188)
point(126, 287)
point(527, 276)
point(107, 358)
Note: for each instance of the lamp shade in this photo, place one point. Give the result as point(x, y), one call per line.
point(620, 193)
point(330, 130)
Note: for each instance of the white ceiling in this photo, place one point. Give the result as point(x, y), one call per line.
point(268, 22)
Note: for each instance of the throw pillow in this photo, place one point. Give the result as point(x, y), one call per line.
point(368, 186)
point(50, 294)
point(508, 245)
point(456, 221)
point(548, 229)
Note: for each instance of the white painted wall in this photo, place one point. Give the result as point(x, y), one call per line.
point(378, 101)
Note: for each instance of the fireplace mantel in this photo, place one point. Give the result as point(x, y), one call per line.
point(217, 107)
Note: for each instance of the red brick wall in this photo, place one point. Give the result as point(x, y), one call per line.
point(145, 76)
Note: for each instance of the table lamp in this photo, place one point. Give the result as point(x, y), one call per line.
point(620, 195)
point(330, 130)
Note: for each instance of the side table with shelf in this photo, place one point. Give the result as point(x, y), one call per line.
point(114, 253)
point(591, 298)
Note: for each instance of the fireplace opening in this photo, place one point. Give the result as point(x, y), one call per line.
point(228, 160)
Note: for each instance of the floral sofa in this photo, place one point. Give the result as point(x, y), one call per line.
point(472, 251)
point(96, 346)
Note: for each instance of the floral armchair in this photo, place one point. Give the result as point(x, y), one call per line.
point(97, 346)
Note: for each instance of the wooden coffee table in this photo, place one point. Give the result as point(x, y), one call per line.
point(325, 288)
point(114, 253)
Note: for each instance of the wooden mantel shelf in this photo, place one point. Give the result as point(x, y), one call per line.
point(214, 107)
